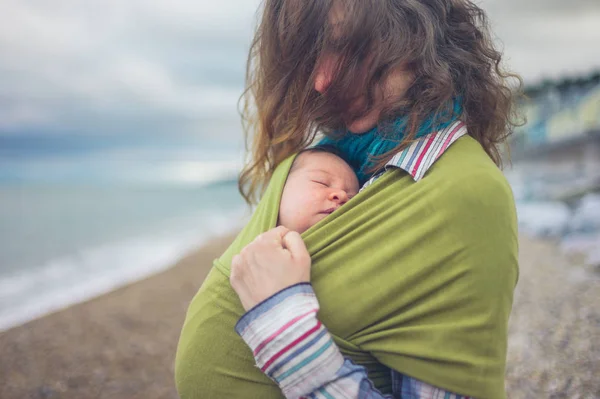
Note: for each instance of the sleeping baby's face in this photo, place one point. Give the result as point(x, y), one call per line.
point(318, 184)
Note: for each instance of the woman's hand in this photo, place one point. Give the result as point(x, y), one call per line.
point(275, 260)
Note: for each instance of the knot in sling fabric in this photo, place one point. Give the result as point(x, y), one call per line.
point(413, 276)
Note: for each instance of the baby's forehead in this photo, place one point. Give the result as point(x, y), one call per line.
point(317, 160)
point(314, 155)
point(322, 162)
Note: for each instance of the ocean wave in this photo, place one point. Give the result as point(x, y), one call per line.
point(92, 272)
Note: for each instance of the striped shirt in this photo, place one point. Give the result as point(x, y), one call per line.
point(295, 349)
point(417, 158)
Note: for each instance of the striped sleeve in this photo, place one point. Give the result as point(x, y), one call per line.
point(410, 388)
point(294, 349)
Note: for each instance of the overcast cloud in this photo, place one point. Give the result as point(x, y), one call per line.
point(176, 66)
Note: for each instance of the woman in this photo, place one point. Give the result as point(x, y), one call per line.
point(414, 276)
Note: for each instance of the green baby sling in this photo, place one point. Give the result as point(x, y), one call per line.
point(412, 276)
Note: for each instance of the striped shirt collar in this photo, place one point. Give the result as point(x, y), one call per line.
point(418, 157)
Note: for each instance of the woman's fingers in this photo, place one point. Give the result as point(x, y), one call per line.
point(275, 260)
point(277, 234)
point(280, 231)
point(294, 243)
point(236, 270)
point(272, 236)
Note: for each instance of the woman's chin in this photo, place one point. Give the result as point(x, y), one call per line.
point(358, 128)
point(363, 125)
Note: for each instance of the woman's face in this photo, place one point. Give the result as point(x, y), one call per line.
point(392, 88)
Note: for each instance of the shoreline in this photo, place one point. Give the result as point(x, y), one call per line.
point(117, 345)
point(60, 285)
point(121, 345)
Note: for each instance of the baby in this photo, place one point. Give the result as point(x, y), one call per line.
point(318, 183)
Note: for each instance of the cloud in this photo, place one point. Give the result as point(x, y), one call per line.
point(167, 67)
point(547, 38)
point(121, 65)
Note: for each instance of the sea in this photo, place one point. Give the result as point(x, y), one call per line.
point(81, 216)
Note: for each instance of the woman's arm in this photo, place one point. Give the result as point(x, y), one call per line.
point(290, 345)
point(295, 350)
point(271, 277)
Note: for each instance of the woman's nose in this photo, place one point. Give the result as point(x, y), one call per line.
point(338, 196)
point(324, 73)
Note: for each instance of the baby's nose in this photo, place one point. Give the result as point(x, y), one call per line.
point(338, 196)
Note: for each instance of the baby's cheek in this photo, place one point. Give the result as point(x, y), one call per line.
point(307, 222)
point(320, 217)
point(307, 212)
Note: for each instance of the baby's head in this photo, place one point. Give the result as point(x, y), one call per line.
point(319, 182)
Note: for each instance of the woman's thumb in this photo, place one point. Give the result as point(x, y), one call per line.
point(294, 243)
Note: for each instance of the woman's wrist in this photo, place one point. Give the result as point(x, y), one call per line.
point(266, 304)
point(270, 313)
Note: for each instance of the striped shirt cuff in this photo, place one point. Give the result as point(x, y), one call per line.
point(289, 343)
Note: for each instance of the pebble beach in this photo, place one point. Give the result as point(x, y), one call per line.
point(122, 345)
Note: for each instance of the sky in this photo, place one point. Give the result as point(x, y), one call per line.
point(176, 67)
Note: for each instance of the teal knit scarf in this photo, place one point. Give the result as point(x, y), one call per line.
point(359, 149)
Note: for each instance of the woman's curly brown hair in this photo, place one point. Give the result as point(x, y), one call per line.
point(445, 44)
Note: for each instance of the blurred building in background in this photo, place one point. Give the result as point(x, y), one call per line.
point(563, 126)
point(555, 171)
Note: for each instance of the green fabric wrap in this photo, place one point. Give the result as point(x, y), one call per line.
point(414, 276)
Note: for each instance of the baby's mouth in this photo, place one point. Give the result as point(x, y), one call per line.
point(330, 210)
